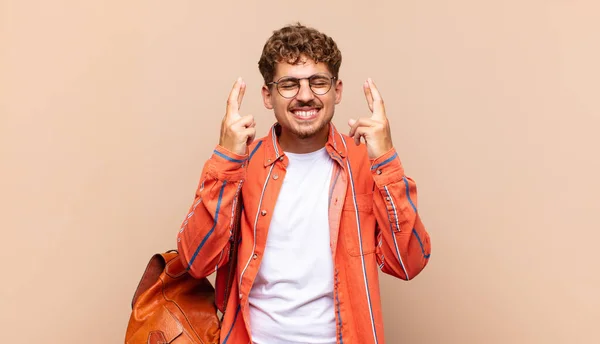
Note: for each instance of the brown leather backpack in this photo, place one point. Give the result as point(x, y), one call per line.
point(171, 306)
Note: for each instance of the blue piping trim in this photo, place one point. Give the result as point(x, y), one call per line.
point(228, 158)
point(421, 243)
point(237, 311)
point(255, 149)
point(385, 162)
point(211, 230)
point(408, 194)
point(337, 298)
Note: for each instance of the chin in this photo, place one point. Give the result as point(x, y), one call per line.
point(305, 124)
point(307, 132)
point(303, 135)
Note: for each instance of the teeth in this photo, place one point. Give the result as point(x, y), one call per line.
point(305, 113)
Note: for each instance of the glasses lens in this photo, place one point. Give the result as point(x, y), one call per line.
point(320, 84)
point(288, 88)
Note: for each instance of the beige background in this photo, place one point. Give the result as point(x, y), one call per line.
point(110, 108)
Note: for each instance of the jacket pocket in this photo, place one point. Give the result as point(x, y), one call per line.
point(365, 243)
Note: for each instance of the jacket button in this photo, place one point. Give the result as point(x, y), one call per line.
point(255, 256)
point(378, 171)
point(263, 213)
point(387, 198)
point(275, 177)
point(241, 296)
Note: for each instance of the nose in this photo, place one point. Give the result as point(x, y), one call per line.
point(305, 94)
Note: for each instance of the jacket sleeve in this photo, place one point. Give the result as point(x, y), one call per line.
point(404, 245)
point(203, 239)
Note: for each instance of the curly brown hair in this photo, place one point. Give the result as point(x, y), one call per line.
point(291, 42)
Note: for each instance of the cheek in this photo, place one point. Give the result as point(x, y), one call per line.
point(329, 101)
point(281, 104)
point(280, 108)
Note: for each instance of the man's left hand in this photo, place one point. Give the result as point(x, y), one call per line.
point(375, 130)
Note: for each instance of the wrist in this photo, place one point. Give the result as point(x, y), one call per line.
point(387, 168)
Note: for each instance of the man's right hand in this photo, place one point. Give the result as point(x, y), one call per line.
point(237, 131)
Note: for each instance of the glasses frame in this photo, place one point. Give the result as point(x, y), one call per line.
point(276, 83)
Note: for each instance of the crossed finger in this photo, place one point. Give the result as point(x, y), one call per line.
point(374, 99)
point(234, 102)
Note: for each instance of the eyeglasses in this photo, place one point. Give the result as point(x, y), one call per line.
point(289, 87)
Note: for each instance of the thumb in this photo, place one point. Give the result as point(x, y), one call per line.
point(351, 122)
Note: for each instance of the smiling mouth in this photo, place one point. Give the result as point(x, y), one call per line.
point(305, 114)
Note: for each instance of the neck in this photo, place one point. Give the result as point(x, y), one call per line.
point(294, 144)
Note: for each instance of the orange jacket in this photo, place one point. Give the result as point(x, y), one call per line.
point(373, 222)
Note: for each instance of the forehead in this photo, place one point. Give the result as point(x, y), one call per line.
point(303, 68)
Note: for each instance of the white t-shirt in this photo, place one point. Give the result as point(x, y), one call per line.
point(291, 300)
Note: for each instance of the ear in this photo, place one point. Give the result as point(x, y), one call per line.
point(266, 94)
point(339, 87)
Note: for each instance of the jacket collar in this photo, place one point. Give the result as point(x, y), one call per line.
point(273, 151)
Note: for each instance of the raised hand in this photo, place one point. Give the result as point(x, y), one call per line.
point(237, 131)
point(375, 130)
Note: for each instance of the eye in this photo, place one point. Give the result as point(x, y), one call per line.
point(288, 84)
point(320, 81)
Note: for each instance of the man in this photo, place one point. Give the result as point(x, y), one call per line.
point(322, 211)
